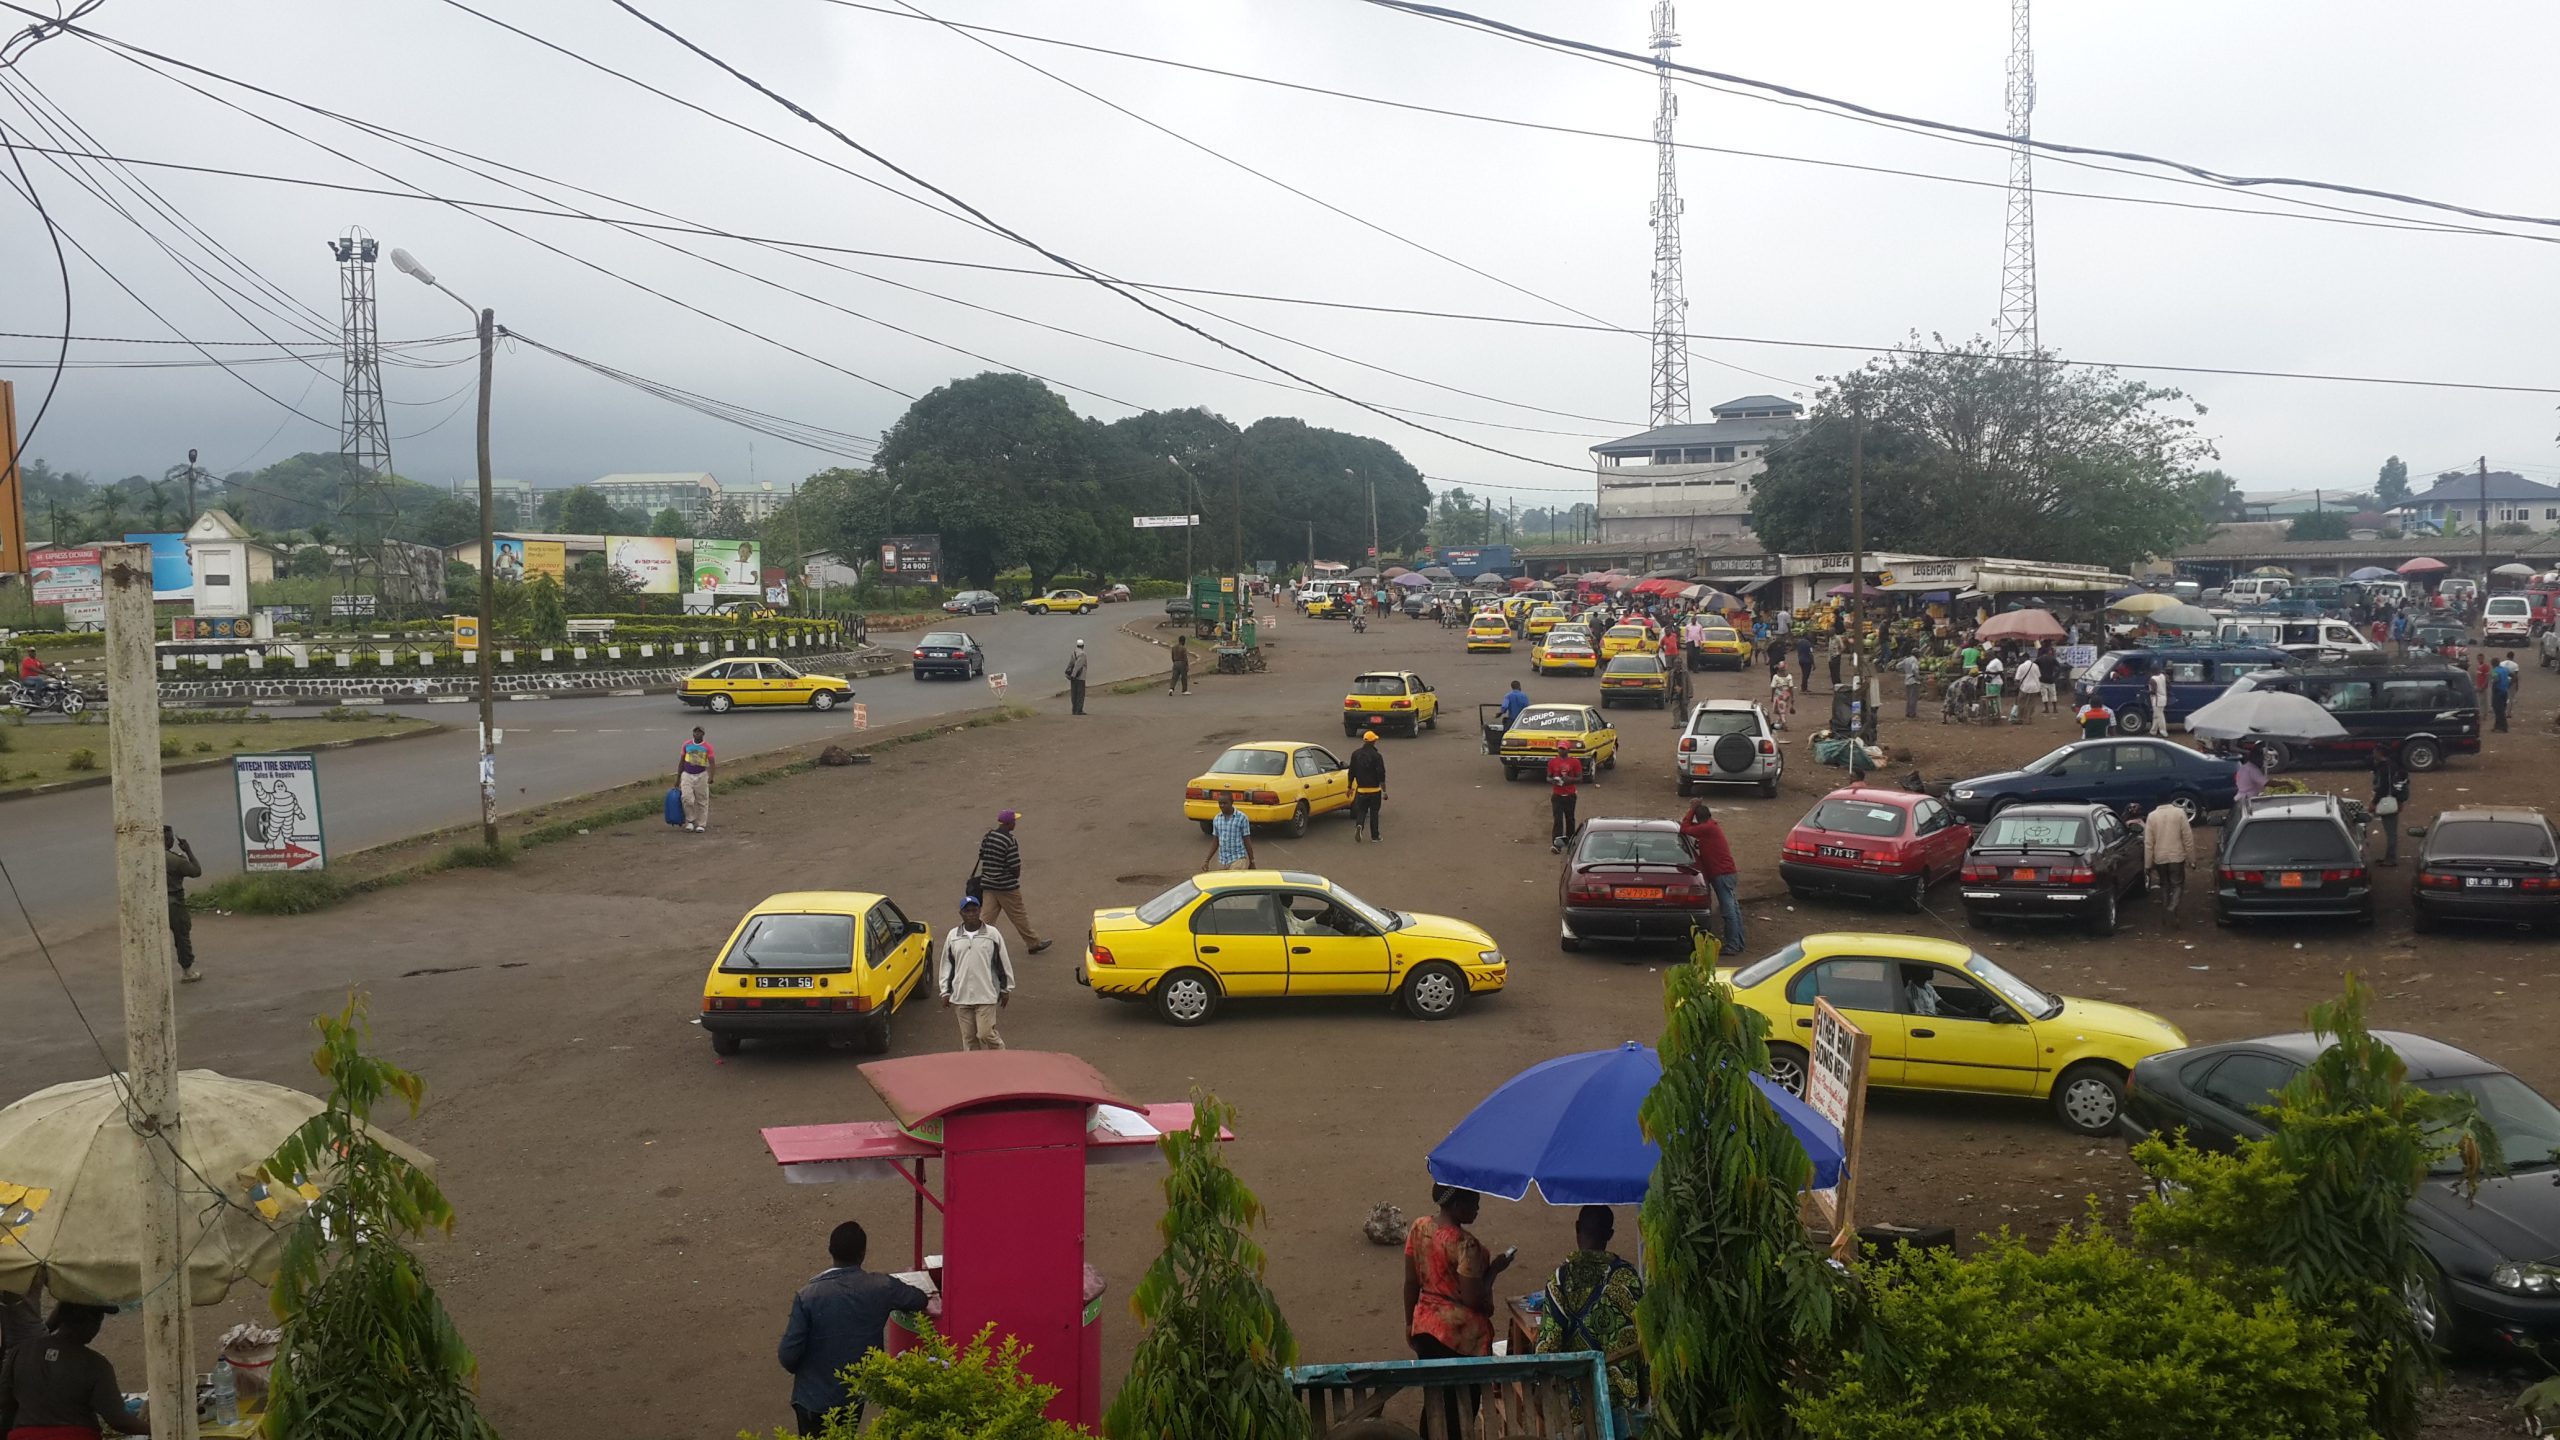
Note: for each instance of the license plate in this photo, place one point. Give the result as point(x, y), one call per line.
point(1227, 795)
point(2485, 882)
point(1840, 852)
point(1639, 892)
point(786, 982)
point(2289, 880)
point(2022, 874)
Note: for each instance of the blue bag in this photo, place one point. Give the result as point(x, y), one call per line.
point(675, 806)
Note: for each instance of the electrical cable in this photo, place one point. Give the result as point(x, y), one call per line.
point(17, 444)
point(843, 444)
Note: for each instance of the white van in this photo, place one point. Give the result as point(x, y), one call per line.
point(2506, 619)
point(2324, 639)
point(2256, 590)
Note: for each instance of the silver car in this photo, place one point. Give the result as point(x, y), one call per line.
point(1728, 742)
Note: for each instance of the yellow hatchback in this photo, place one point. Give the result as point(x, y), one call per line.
point(1062, 602)
point(1544, 730)
point(1542, 618)
point(1562, 652)
point(1256, 934)
point(1625, 640)
point(1274, 782)
point(1724, 645)
point(760, 680)
point(1945, 1018)
point(823, 964)
point(1488, 631)
point(1389, 702)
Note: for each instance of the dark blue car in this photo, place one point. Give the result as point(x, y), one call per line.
point(2120, 773)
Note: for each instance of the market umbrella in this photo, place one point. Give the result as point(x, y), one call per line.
point(2423, 565)
point(2266, 714)
point(72, 1146)
point(2143, 602)
point(2513, 569)
point(1408, 579)
point(1437, 572)
point(1365, 572)
point(1392, 571)
point(1711, 598)
point(1569, 1127)
point(2021, 625)
point(2183, 617)
point(2277, 571)
point(1491, 577)
point(2369, 572)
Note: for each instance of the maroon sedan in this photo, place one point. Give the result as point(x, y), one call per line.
point(1633, 880)
point(1874, 843)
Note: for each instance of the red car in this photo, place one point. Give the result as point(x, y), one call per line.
point(1876, 844)
point(1633, 880)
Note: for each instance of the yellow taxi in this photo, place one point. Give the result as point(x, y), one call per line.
point(1723, 645)
point(760, 680)
point(1565, 650)
point(1488, 631)
point(1323, 603)
point(1388, 701)
point(1256, 934)
point(1626, 639)
point(825, 964)
point(1542, 618)
point(1542, 730)
point(1946, 1018)
point(1638, 678)
point(1515, 606)
point(1274, 782)
point(1062, 602)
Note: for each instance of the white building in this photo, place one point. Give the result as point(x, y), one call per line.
point(688, 493)
point(2510, 499)
point(226, 563)
point(1684, 483)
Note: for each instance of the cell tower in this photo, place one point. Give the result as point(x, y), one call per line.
point(1670, 293)
point(2017, 328)
point(366, 506)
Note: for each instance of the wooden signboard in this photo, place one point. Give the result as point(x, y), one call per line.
point(1835, 1085)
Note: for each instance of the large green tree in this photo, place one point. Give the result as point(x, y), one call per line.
point(999, 466)
point(1968, 451)
point(2392, 485)
point(585, 511)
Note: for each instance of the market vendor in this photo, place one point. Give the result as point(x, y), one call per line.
point(1590, 1304)
point(56, 1388)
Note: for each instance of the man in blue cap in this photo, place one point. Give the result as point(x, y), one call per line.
point(976, 977)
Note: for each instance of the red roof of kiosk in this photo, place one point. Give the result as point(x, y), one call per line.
point(919, 1088)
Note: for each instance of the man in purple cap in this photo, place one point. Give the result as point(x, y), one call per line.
point(998, 879)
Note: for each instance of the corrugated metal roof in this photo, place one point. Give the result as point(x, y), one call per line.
point(1756, 402)
point(2465, 489)
point(1722, 432)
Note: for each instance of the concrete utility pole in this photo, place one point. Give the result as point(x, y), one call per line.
point(1374, 552)
point(1866, 712)
point(2484, 525)
point(150, 987)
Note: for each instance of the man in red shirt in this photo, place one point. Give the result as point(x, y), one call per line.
point(1705, 835)
point(1564, 779)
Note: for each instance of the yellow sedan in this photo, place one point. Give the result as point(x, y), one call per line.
point(1388, 701)
point(1542, 618)
point(1723, 645)
point(1543, 730)
point(1635, 679)
point(1274, 782)
point(823, 964)
point(1062, 602)
point(1626, 640)
point(760, 680)
point(1488, 631)
point(1945, 1018)
point(1255, 934)
point(1563, 651)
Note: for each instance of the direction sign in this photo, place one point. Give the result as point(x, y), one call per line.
point(861, 716)
point(279, 804)
point(1162, 522)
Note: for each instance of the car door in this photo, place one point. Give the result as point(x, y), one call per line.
point(1331, 950)
point(1941, 839)
point(1866, 989)
point(1325, 784)
point(785, 686)
point(1426, 701)
point(2084, 775)
point(1235, 935)
point(1960, 1036)
point(2146, 773)
point(2118, 851)
point(2225, 1092)
point(894, 950)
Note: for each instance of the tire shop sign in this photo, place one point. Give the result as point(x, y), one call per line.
point(279, 804)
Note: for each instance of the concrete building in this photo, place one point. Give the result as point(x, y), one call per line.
point(2511, 499)
point(688, 493)
point(757, 505)
point(226, 563)
point(1689, 483)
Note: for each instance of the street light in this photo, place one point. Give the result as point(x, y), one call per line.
point(486, 321)
point(1190, 518)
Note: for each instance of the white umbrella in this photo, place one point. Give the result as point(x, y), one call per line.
point(2264, 715)
point(2513, 569)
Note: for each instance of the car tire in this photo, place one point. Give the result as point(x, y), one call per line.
point(871, 1037)
point(2421, 755)
point(1432, 723)
point(1187, 997)
point(921, 677)
point(1915, 896)
point(2275, 754)
point(1685, 788)
point(2088, 1098)
point(723, 1043)
point(2102, 916)
point(73, 702)
point(1976, 919)
point(2133, 722)
point(1434, 990)
point(1787, 1067)
point(823, 701)
point(1298, 821)
point(1769, 788)
point(2430, 1314)
point(1567, 941)
point(1084, 609)
point(2422, 920)
point(1510, 772)
point(720, 704)
point(2190, 802)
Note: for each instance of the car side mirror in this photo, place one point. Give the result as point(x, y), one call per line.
point(918, 927)
point(2003, 1015)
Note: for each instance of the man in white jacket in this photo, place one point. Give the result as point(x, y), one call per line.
point(976, 977)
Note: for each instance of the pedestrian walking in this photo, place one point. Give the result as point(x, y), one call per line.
point(183, 867)
point(2501, 680)
point(2049, 662)
point(1230, 838)
point(1835, 648)
point(997, 878)
point(1514, 701)
point(2095, 719)
point(1909, 668)
point(837, 1318)
point(2158, 685)
point(1782, 696)
point(1706, 837)
point(2030, 687)
point(1564, 783)
point(2390, 797)
point(1368, 786)
point(1181, 681)
point(1804, 661)
point(2168, 848)
point(1075, 680)
point(977, 975)
point(1676, 696)
point(694, 766)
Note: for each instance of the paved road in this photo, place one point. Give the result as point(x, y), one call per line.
point(58, 846)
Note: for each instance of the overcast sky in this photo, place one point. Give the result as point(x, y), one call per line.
point(1776, 249)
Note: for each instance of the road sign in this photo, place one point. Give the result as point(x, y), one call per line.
point(861, 716)
point(466, 632)
point(351, 605)
point(995, 682)
point(279, 804)
point(1162, 522)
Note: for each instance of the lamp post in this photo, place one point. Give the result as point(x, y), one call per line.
point(486, 322)
point(1190, 517)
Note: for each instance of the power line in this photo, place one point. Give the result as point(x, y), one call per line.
point(842, 444)
point(62, 267)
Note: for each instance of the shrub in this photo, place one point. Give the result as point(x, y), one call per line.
point(171, 749)
point(476, 856)
point(932, 1392)
point(81, 759)
point(5, 742)
point(204, 747)
point(272, 892)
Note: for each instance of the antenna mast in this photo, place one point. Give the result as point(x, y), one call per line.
point(1670, 295)
point(366, 506)
point(2017, 328)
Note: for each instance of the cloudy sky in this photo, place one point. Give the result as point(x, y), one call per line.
point(1779, 250)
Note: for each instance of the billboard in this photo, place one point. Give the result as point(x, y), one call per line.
point(64, 575)
point(173, 575)
point(279, 802)
point(411, 574)
point(519, 561)
point(911, 559)
point(647, 559)
point(725, 567)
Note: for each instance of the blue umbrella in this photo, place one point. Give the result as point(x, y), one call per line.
point(1569, 1126)
point(2371, 572)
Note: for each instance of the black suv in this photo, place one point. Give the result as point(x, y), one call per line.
point(2489, 862)
point(2420, 710)
point(2293, 857)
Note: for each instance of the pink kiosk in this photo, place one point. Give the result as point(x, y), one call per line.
point(1014, 1130)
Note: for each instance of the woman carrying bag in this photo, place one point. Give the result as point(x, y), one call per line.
point(2390, 797)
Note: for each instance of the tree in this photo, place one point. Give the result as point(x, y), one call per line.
point(546, 609)
point(1456, 519)
point(2319, 525)
point(2061, 463)
point(442, 519)
point(1215, 1354)
point(585, 511)
point(368, 1349)
point(2392, 486)
point(1734, 1292)
point(310, 562)
point(2217, 497)
point(672, 523)
point(994, 464)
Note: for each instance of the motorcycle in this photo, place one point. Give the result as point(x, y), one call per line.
point(59, 697)
point(1359, 622)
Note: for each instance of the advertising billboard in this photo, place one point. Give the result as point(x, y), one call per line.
point(65, 575)
point(173, 575)
point(725, 567)
point(521, 560)
point(649, 560)
point(911, 559)
point(279, 802)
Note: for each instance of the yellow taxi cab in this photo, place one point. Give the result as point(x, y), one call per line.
point(1637, 678)
point(1488, 631)
point(1062, 602)
point(824, 964)
point(1626, 638)
point(1322, 603)
point(1514, 607)
point(1564, 650)
point(1945, 1018)
point(1388, 701)
point(1542, 618)
point(1274, 782)
point(1255, 934)
point(1724, 645)
point(1543, 730)
point(760, 680)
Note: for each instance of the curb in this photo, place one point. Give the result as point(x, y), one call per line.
point(91, 782)
point(589, 693)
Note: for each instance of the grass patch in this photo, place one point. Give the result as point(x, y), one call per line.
point(475, 856)
point(273, 892)
point(42, 753)
point(1134, 687)
point(82, 759)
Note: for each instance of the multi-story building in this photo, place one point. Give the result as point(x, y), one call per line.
point(1688, 483)
point(687, 493)
point(757, 505)
point(2502, 497)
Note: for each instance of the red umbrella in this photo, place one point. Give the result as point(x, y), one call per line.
point(2021, 625)
point(2424, 565)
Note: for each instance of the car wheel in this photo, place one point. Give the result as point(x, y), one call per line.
point(1298, 821)
point(1786, 1068)
point(1187, 997)
point(1769, 788)
point(1433, 723)
point(2133, 722)
point(720, 704)
point(823, 701)
point(1510, 772)
point(2429, 1316)
point(1976, 919)
point(2421, 919)
point(1536, 669)
point(2421, 755)
point(73, 702)
point(1915, 896)
point(1685, 788)
point(2102, 916)
point(1567, 941)
point(723, 1043)
point(1084, 609)
point(1206, 828)
point(921, 677)
point(1434, 991)
point(2088, 1097)
point(871, 1037)
point(2188, 801)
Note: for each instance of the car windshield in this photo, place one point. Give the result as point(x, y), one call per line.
point(2528, 1126)
point(1626, 632)
point(1766, 966)
point(1549, 717)
point(2017, 992)
point(1164, 906)
point(1719, 635)
point(1245, 760)
point(793, 942)
point(1857, 817)
point(1378, 685)
point(1632, 847)
point(2044, 763)
point(2034, 832)
point(1724, 722)
point(949, 639)
point(2291, 840)
point(1636, 665)
point(2491, 839)
point(1383, 919)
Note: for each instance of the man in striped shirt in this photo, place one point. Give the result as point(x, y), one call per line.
point(998, 879)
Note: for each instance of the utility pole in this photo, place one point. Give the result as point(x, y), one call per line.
point(193, 470)
point(1374, 551)
point(1864, 710)
point(150, 988)
point(2484, 524)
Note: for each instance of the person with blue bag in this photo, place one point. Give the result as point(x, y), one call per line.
point(694, 769)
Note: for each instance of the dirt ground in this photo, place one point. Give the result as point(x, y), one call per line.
point(626, 1250)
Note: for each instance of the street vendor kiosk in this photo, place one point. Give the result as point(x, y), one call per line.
point(1014, 1130)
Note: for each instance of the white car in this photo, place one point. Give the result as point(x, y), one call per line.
point(1728, 742)
point(2507, 619)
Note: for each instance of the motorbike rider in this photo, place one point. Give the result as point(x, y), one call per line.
point(32, 674)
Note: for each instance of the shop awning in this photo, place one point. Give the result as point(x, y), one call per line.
point(1993, 580)
point(1750, 583)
